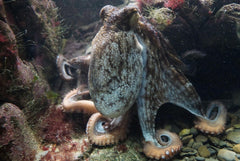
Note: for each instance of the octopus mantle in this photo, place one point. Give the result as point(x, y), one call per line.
point(132, 63)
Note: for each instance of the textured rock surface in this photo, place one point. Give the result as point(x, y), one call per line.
point(226, 155)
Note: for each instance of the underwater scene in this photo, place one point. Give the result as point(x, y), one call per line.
point(119, 80)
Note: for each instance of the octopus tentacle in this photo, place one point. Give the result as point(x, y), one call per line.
point(104, 131)
point(64, 68)
point(170, 145)
point(211, 125)
point(70, 104)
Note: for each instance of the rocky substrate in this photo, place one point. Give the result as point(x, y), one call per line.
point(197, 146)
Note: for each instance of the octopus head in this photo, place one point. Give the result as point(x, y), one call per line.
point(116, 67)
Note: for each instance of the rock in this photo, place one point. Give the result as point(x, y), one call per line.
point(226, 155)
point(200, 158)
point(236, 148)
point(201, 138)
point(184, 132)
point(234, 136)
point(237, 126)
point(211, 159)
point(212, 151)
point(223, 143)
point(193, 131)
point(190, 143)
point(196, 145)
point(203, 151)
point(186, 139)
point(238, 156)
point(214, 140)
point(186, 151)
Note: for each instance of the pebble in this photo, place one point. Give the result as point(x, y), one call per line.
point(214, 140)
point(234, 136)
point(226, 155)
point(212, 151)
point(193, 131)
point(185, 132)
point(203, 151)
point(211, 159)
point(190, 143)
point(223, 143)
point(186, 139)
point(196, 145)
point(237, 126)
point(188, 152)
point(201, 138)
point(236, 148)
point(200, 159)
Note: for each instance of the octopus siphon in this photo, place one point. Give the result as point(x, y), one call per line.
point(130, 63)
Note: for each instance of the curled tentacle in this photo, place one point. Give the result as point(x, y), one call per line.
point(81, 62)
point(214, 122)
point(104, 131)
point(168, 145)
point(64, 68)
point(72, 104)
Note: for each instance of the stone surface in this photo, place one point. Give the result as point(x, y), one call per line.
point(214, 140)
point(201, 138)
point(237, 126)
point(196, 145)
point(200, 158)
point(226, 155)
point(203, 151)
point(234, 136)
point(236, 148)
point(184, 132)
point(186, 139)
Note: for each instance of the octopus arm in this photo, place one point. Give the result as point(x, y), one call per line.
point(215, 119)
point(170, 145)
point(64, 68)
point(103, 131)
point(70, 104)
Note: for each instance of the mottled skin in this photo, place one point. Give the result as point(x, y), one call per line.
point(131, 62)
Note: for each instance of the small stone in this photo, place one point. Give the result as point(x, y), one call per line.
point(200, 159)
point(236, 126)
point(193, 131)
point(188, 152)
point(238, 156)
point(190, 143)
point(234, 136)
point(203, 151)
point(196, 145)
point(222, 143)
point(214, 140)
point(212, 151)
point(211, 159)
point(226, 155)
point(236, 148)
point(186, 139)
point(201, 138)
point(184, 132)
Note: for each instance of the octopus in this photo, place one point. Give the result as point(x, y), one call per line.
point(131, 63)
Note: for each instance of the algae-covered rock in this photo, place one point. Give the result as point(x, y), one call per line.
point(17, 141)
point(126, 151)
point(203, 151)
point(233, 136)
